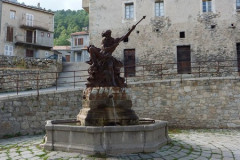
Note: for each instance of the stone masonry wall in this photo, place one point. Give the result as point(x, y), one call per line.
point(193, 103)
point(18, 73)
point(28, 114)
point(190, 103)
point(21, 80)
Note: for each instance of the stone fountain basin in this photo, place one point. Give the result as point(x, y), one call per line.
point(92, 140)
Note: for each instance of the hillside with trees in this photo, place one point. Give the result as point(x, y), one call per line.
point(67, 22)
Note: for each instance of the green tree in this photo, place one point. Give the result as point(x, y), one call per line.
point(67, 22)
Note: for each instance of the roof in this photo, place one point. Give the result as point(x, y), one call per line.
point(29, 7)
point(61, 48)
point(80, 33)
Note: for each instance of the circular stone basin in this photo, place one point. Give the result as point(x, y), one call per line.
point(106, 139)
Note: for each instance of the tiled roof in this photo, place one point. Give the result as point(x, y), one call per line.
point(29, 7)
point(62, 48)
point(79, 33)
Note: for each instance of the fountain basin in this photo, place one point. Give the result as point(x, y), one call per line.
point(106, 139)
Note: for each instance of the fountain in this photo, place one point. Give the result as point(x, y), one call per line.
point(106, 124)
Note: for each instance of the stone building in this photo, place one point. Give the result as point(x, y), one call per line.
point(26, 31)
point(77, 52)
point(79, 44)
point(175, 31)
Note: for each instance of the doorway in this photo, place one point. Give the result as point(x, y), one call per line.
point(29, 36)
point(29, 53)
point(184, 59)
point(129, 63)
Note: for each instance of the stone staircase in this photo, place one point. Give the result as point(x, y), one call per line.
point(66, 77)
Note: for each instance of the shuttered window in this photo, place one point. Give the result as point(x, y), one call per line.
point(80, 41)
point(9, 37)
point(76, 41)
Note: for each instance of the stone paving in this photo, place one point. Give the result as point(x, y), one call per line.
point(185, 145)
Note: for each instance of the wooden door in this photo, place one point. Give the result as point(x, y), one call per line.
point(184, 60)
point(29, 53)
point(238, 56)
point(129, 63)
point(29, 36)
point(67, 58)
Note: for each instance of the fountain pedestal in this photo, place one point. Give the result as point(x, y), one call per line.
point(104, 106)
point(108, 126)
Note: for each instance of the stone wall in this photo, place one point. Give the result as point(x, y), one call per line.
point(17, 73)
point(28, 63)
point(21, 80)
point(193, 103)
point(211, 36)
point(28, 114)
point(190, 103)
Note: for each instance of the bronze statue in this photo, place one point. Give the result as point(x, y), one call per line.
point(105, 69)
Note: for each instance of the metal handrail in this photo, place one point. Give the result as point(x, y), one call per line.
point(141, 72)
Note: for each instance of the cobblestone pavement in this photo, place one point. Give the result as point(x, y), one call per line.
point(185, 145)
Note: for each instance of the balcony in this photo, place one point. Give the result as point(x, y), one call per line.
point(85, 5)
point(35, 24)
point(29, 41)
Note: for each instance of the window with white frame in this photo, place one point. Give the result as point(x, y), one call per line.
point(129, 11)
point(29, 19)
point(238, 4)
point(159, 8)
point(8, 50)
point(207, 5)
point(46, 54)
point(12, 14)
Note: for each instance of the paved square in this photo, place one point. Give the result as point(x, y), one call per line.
point(185, 145)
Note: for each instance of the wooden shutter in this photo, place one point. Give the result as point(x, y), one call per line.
point(129, 63)
point(184, 59)
point(76, 41)
point(9, 37)
point(80, 41)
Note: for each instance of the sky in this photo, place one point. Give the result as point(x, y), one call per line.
point(55, 4)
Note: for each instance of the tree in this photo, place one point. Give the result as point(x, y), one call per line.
point(67, 22)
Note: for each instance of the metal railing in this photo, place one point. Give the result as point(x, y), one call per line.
point(78, 78)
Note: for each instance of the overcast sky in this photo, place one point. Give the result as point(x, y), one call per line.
point(55, 4)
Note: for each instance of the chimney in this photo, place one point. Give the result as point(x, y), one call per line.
point(38, 5)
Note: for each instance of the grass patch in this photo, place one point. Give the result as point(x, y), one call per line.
point(98, 155)
point(175, 131)
point(12, 135)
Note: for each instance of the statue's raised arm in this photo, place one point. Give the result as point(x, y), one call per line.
point(105, 69)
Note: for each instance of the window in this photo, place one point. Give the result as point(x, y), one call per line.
point(42, 34)
point(129, 11)
point(9, 37)
point(238, 4)
point(46, 54)
point(159, 8)
point(12, 14)
point(80, 41)
point(8, 50)
point(29, 53)
point(29, 19)
point(207, 5)
point(182, 34)
point(76, 41)
point(48, 35)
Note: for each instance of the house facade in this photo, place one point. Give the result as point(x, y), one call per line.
point(175, 31)
point(64, 51)
point(79, 44)
point(26, 31)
